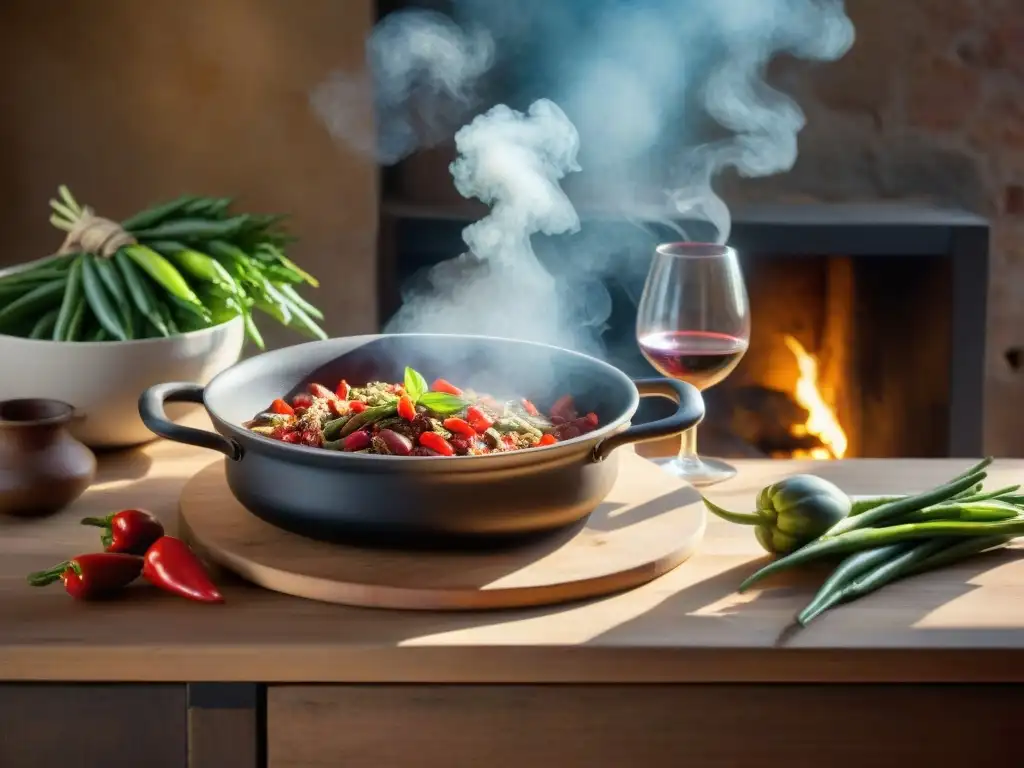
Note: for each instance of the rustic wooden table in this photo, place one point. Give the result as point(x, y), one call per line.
point(674, 671)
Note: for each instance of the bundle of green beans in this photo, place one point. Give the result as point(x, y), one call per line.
point(175, 267)
point(891, 538)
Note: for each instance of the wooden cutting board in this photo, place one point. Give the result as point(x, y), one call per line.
point(649, 524)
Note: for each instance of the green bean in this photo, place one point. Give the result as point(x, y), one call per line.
point(868, 538)
point(293, 295)
point(43, 329)
point(99, 302)
point(959, 550)
point(207, 207)
point(168, 321)
point(31, 278)
point(196, 264)
point(196, 310)
point(849, 569)
point(72, 293)
point(157, 214)
point(977, 512)
point(195, 229)
point(99, 334)
point(73, 330)
point(860, 506)
point(162, 272)
point(29, 306)
point(902, 506)
point(895, 568)
point(363, 418)
point(303, 322)
point(974, 470)
point(251, 330)
point(998, 494)
point(140, 292)
point(57, 260)
point(115, 287)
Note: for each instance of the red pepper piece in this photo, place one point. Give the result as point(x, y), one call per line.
point(357, 441)
point(459, 427)
point(130, 531)
point(436, 443)
point(355, 406)
point(96, 575)
point(292, 436)
point(319, 390)
point(547, 439)
point(405, 408)
point(530, 408)
point(302, 400)
point(172, 566)
point(280, 406)
point(312, 437)
point(441, 385)
point(480, 421)
point(591, 419)
point(343, 390)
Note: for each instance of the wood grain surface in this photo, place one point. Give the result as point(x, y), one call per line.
point(961, 624)
point(648, 524)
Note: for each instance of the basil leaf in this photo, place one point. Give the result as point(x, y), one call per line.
point(442, 403)
point(415, 384)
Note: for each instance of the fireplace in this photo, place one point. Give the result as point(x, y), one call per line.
point(868, 322)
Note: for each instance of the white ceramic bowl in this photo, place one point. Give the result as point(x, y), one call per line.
point(103, 380)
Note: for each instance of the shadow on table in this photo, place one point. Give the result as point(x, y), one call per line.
point(767, 617)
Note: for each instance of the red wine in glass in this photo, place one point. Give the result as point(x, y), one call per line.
point(700, 358)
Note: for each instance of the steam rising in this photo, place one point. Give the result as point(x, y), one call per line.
point(666, 94)
point(422, 65)
point(513, 162)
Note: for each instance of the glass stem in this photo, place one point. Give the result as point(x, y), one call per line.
point(688, 446)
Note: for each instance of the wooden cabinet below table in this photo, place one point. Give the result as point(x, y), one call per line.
point(599, 726)
point(109, 726)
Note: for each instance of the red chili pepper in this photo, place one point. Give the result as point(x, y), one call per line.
point(319, 390)
point(405, 408)
point(172, 566)
point(530, 408)
point(547, 439)
point(459, 427)
point(480, 421)
point(95, 575)
point(435, 442)
point(357, 441)
point(440, 385)
point(280, 406)
point(130, 531)
point(302, 400)
point(343, 390)
point(356, 406)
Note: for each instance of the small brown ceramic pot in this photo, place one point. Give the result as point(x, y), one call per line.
point(42, 467)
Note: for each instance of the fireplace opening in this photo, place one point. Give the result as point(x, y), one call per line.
point(867, 332)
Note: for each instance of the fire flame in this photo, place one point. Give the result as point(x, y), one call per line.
point(821, 419)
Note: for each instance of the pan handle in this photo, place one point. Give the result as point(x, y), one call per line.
point(688, 415)
point(151, 409)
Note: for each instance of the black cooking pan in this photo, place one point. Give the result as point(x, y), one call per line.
point(330, 495)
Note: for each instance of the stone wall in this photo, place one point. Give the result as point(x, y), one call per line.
point(929, 103)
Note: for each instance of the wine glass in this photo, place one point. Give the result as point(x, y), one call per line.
point(693, 324)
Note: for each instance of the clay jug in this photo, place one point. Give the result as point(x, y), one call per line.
point(42, 467)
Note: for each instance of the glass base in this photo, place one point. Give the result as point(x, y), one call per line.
point(698, 471)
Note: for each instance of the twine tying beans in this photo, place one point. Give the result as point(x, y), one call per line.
point(95, 234)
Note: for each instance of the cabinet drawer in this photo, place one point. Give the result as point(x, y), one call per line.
point(56, 726)
point(699, 726)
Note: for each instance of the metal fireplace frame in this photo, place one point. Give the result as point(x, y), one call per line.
point(427, 235)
